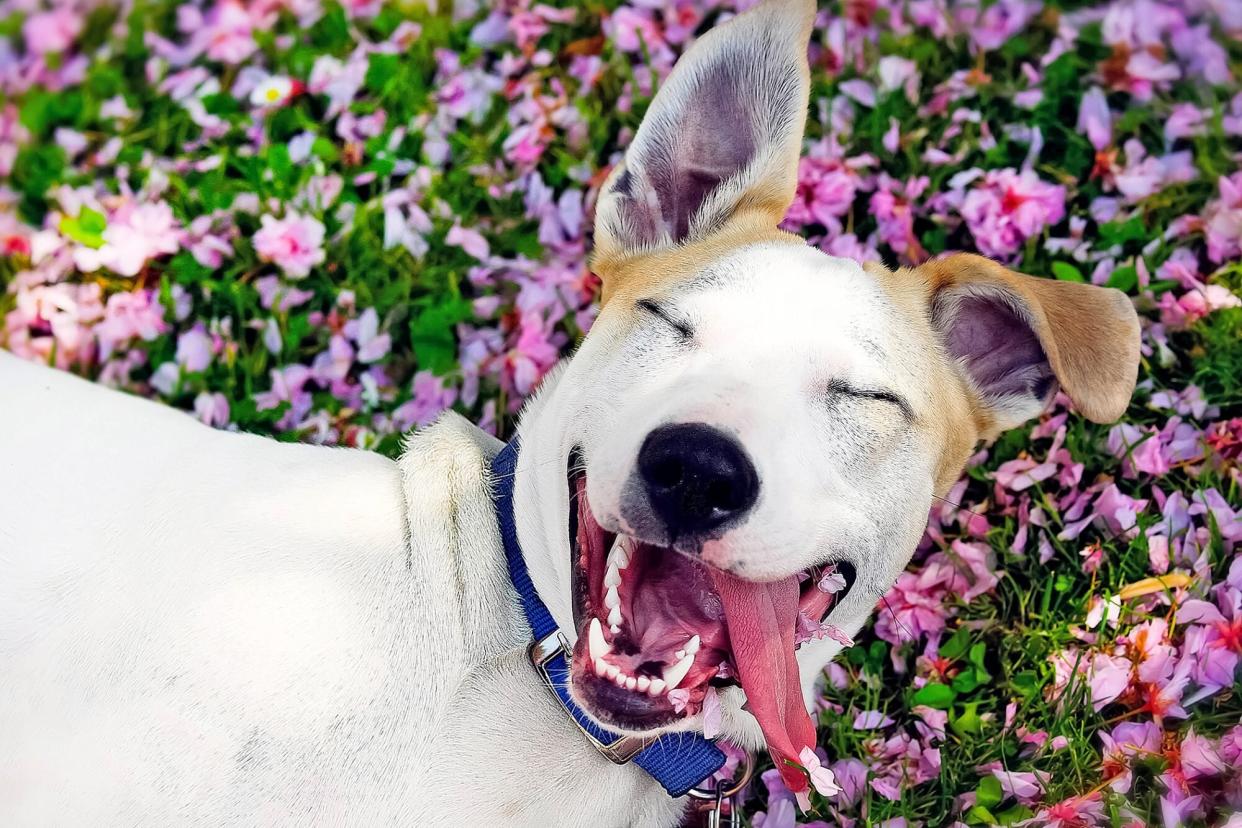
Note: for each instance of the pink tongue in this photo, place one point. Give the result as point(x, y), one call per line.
point(760, 619)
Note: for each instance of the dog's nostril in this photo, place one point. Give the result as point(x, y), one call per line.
point(667, 474)
point(696, 477)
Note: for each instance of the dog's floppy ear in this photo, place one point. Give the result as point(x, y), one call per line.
point(1017, 337)
point(722, 137)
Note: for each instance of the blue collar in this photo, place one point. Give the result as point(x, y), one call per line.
point(677, 761)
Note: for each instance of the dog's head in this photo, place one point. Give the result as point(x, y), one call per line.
point(740, 458)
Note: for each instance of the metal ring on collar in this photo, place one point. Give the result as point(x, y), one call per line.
point(748, 769)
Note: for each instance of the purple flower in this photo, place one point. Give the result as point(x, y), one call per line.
point(1007, 207)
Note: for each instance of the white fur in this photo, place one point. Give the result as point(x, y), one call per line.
point(199, 627)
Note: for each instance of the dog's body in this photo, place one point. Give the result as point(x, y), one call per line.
point(710, 495)
point(213, 628)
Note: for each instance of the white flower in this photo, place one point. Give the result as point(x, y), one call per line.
point(273, 91)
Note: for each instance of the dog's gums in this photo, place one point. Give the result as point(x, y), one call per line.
point(652, 633)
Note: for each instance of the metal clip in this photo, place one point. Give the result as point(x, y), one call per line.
point(717, 803)
point(621, 750)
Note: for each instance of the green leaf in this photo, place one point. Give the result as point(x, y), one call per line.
point(969, 723)
point(1067, 272)
point(1014, 815)
point(1124, 278)
point(86, 228)
point(934, 695)
point(979, 815)
point(989, 793)
point(1026, 683)
point(1120, 232)
point(966, 681)
point(956, 646)
point(432, 334)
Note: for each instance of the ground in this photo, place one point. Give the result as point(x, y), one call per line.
point(329, 223)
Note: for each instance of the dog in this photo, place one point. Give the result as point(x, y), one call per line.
point(202, 627)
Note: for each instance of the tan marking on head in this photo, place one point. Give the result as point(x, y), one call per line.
point(1089, 334)
point(636, 277)
point(951, 416)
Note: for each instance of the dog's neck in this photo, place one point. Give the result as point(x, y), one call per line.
point(497, 730)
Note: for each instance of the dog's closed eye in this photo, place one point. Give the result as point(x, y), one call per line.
point(681, 326)
point(841, 387)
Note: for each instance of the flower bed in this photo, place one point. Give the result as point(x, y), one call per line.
point(331, 223)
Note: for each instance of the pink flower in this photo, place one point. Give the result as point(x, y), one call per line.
point(129, 316)
point(1024, 786)
point(1095, 118)
point(1223, 220)
point(134, 235)
point(469, 240)
point(711, 714)
point(1008, 207)
point(293, 243)
point(826, 190)
point(194, 351)
point(1200, 757)
point(372, 345)
point(871, 719)
point(822, 777)
point(51, 31)
point(212, 409)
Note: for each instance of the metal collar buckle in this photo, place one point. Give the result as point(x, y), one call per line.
point(540, 652)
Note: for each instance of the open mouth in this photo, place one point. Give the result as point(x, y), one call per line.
point(653, 624)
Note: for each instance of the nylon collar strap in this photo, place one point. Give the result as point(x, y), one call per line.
point(677, 761)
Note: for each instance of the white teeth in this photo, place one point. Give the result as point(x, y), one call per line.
point(617, 556)
point(613, 671)
point(614, 628)
point(612, 578)
point(595, 639)
point(619, 680)
point(612, 599)
point(614, 617)
point(643, 683)
point(631, 683)
point(601, 667)
point(674, 675)
point(657, 687)
point(692, 646)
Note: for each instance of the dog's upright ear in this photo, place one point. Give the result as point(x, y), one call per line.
point(720, 141)
point(1017, 338)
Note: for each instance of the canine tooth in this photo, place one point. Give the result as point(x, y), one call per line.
point(612, 578)
point(612, 599)
point(613, 671)
point(657, 687)
point(595, 639)
point(692, 646)
point(675, 674)
point(643, 683)
point(679, 655)
point(614, 616)
point(631, 683)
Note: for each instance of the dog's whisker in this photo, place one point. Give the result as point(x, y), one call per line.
point(959, 506)
point(908, 632)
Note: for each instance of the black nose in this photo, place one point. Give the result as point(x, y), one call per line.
point(697, 477)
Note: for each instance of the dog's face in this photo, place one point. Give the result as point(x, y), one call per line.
point(740, 458)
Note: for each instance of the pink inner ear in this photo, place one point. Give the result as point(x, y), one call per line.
point(996, 345)
point(683, 159)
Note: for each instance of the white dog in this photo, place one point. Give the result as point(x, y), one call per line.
point(199, 627)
